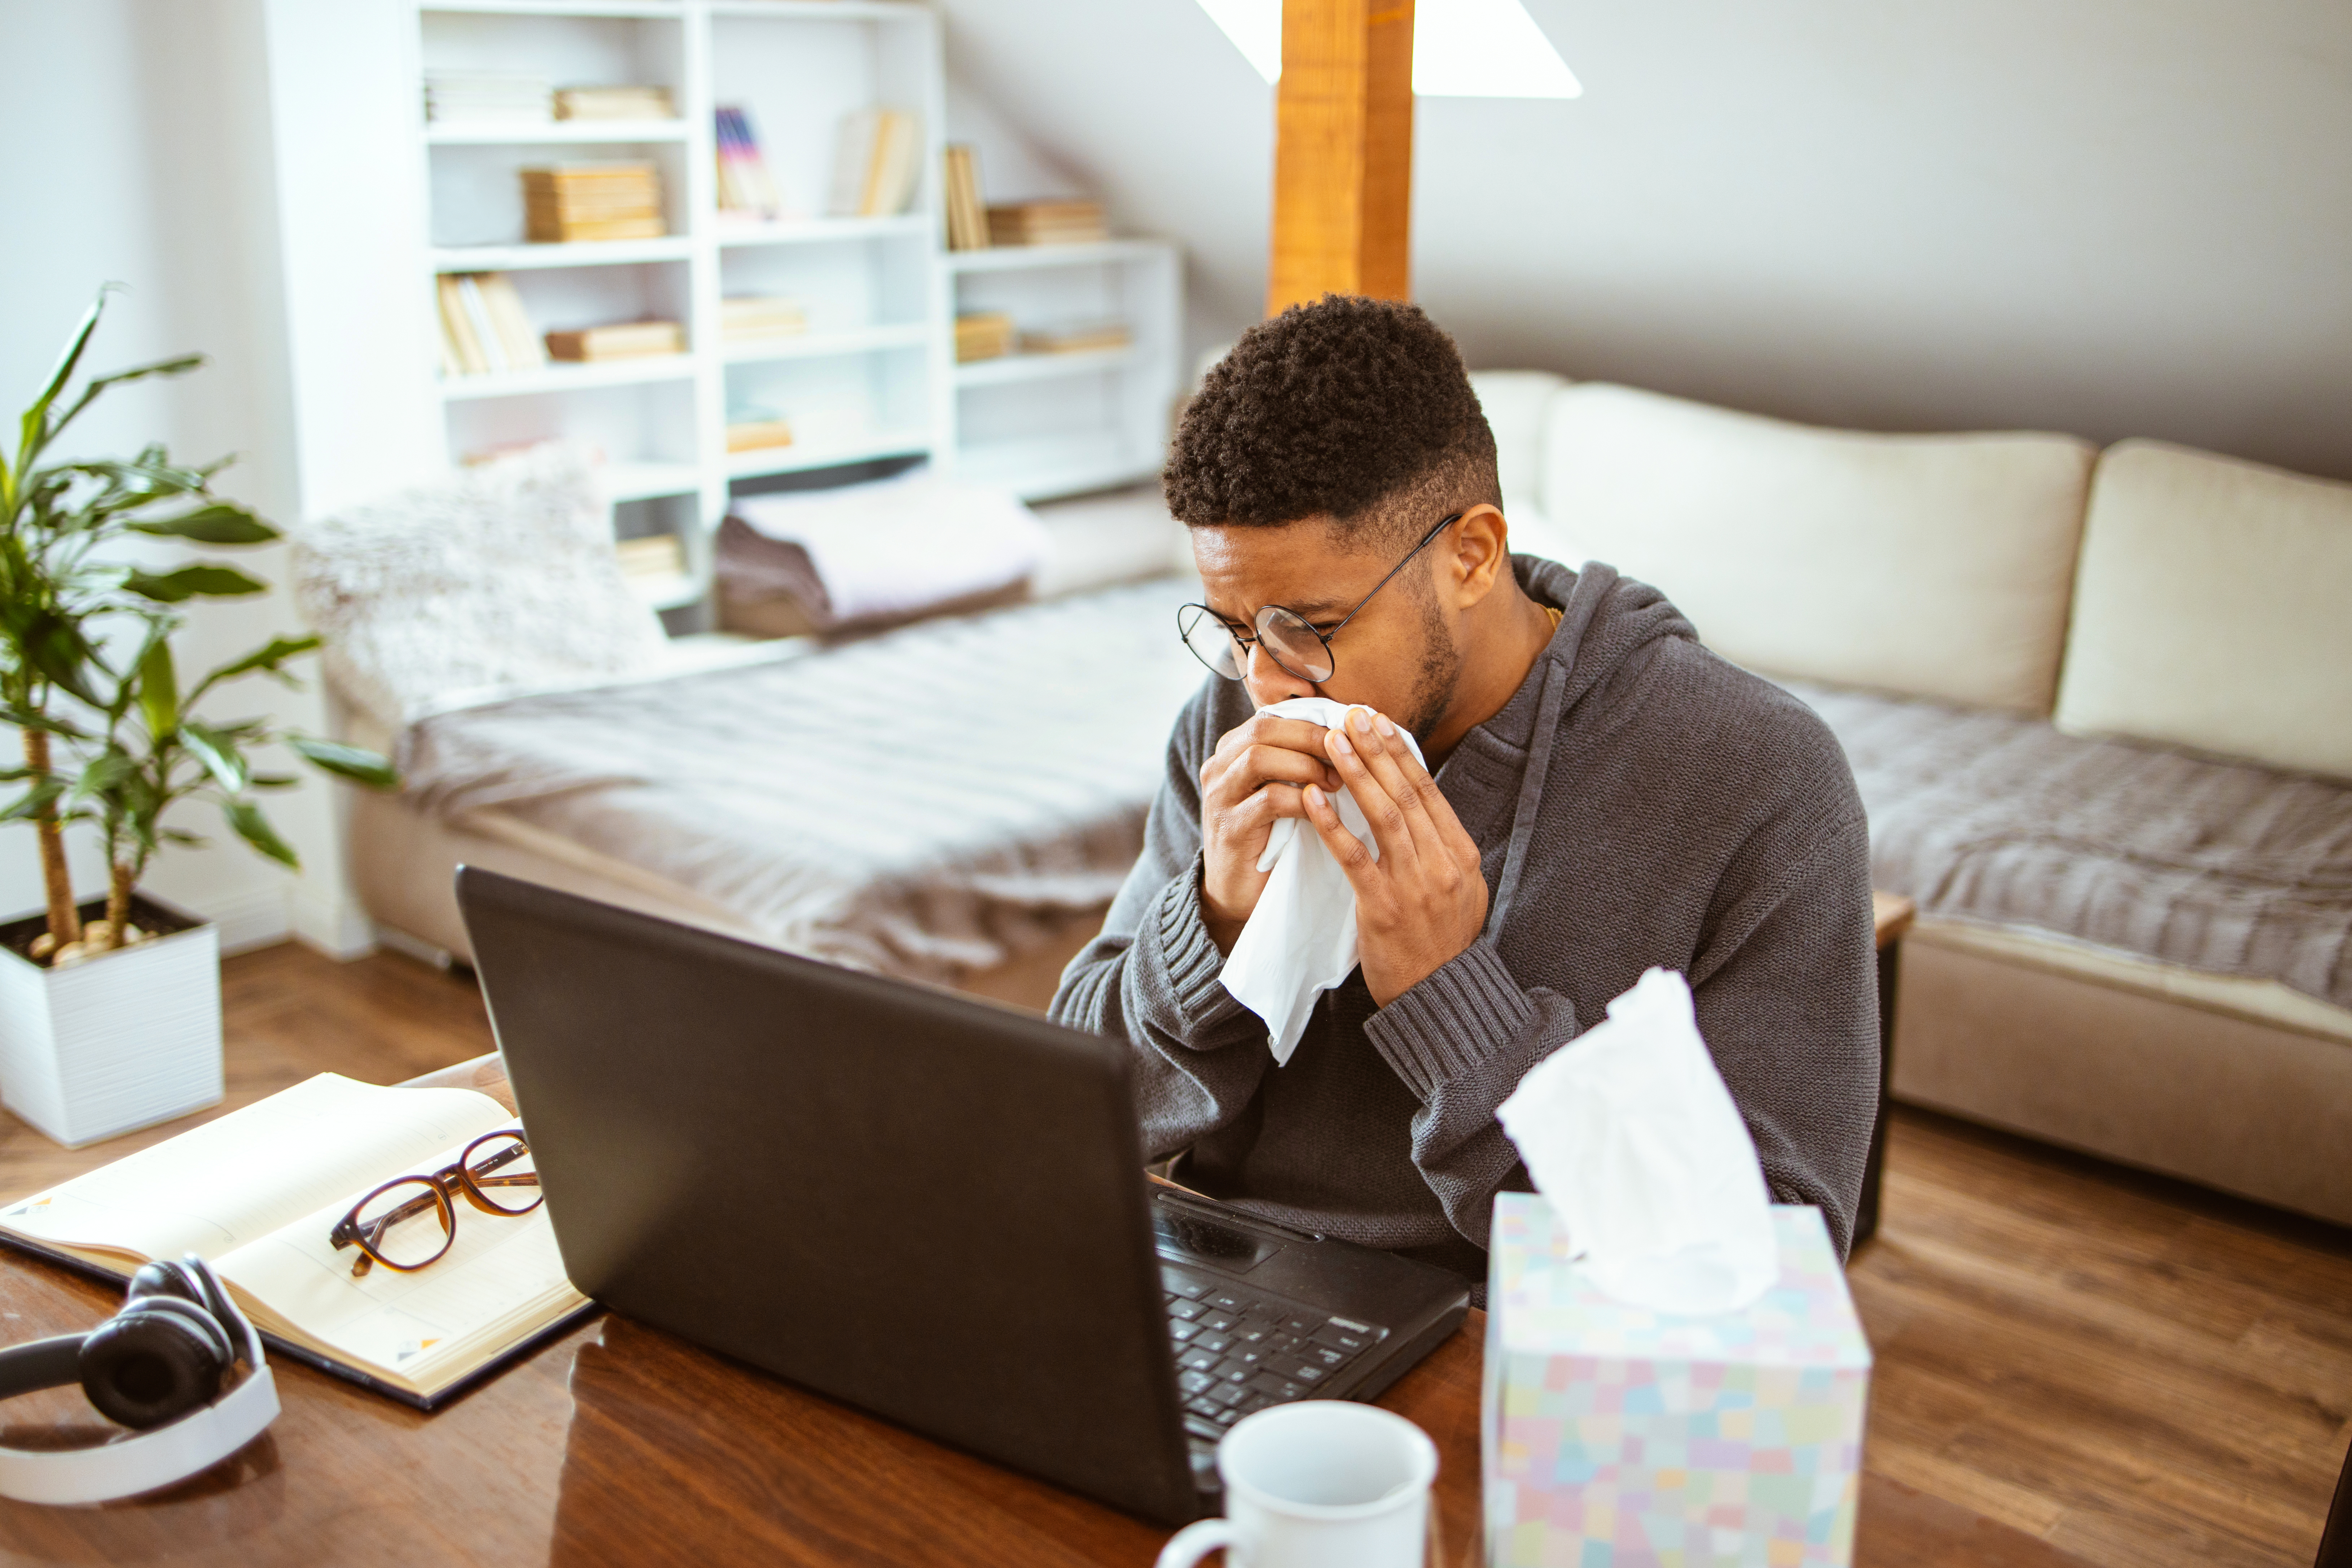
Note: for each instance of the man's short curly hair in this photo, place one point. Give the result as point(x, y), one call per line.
point(1352, 408)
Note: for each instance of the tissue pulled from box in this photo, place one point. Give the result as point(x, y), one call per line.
point(1631, 1138)
point(1300, 940)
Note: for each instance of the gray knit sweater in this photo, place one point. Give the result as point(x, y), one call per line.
point(1637, 802)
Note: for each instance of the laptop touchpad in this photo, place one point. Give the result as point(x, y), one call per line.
point(1195, 1236)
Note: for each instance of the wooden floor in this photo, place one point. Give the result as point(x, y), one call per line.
point(2135, 1371)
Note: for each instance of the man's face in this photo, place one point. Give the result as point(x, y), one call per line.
point(1398, 655)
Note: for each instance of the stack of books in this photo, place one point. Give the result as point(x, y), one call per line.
point(967, 219)
point(1047, 223)
point(744, 187)
point(1078, 338)
point(982, 334)
point(484, 328)
point(486, 98)
point(751, 318)
point(653, 558)
point(751, 428)
point(622, 340)
point(873, 169)
point(571, 202)
point(614, 103)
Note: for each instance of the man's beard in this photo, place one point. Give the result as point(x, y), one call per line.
point(1440, 671)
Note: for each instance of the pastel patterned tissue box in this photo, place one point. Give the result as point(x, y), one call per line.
point(1616, 1437)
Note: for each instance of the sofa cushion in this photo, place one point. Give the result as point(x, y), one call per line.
point(2002, 820)
point(2213, 609)
point(1517, 403)
point(1931, 565)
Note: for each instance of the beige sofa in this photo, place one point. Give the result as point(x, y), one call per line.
point(2100, 704)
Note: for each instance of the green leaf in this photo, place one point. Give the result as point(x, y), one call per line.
point(33, 433)
point(220, 523)
point(218, 753)
point(34, 802)
point(255, 829)
point(26, 719)
point(273, 781)
point(349, 761)
point(159, 685)
point(267, 657)
point(179, 364)
point(103, 773)
point(189, 582)
point(182, 835)
point(60, 655)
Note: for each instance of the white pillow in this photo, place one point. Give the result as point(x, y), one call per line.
point(498, 579)
point(2213, 609)
point(1934, 566)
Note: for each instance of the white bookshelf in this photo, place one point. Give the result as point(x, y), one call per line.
point(857, 387)
point(1059, 423)
point(874, 378)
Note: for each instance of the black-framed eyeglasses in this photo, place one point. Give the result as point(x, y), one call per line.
point(409, 1223)
point(1290, 639)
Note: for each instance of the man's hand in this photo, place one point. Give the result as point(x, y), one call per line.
point(1424, 901)
point(1254, 776)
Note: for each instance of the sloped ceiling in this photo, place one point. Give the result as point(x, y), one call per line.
point(2111, 216)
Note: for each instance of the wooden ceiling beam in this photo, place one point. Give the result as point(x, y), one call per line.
point(1343, 151)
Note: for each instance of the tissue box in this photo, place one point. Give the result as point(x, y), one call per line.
point(1615, 1436)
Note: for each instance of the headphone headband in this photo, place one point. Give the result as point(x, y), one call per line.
point(161, 1455)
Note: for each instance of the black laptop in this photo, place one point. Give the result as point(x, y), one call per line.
point(921, 1204)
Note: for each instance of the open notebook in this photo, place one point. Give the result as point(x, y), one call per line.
point(255, 1195)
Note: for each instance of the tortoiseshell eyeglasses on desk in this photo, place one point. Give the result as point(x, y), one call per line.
point(409, 1223)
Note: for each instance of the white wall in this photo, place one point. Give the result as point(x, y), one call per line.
point(140, 152)
point(2109, 216)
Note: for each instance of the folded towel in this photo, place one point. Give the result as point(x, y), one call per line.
point(1300, 941)
point(869, 552)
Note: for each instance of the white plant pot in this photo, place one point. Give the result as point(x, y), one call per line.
point(120, 1041)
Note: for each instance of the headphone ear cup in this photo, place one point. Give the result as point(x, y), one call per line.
point(152, 1362)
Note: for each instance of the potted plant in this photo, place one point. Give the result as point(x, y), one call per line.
point(110, 1012)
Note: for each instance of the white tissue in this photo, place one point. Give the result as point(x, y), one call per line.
point(1300, 940)
point(1633, 1141)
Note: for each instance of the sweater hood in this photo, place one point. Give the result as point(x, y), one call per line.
point(1606, 621)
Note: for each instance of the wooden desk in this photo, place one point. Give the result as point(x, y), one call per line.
point(620, 1445)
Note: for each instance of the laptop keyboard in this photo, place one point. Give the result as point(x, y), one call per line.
point(1237, 1353)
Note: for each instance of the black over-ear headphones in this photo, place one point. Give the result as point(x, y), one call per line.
point(156, 1366)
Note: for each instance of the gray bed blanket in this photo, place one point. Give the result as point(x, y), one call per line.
point(919, 803)
point(2219, 866)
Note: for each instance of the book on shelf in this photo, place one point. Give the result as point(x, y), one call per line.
point(967, 217)
point(1076, 337)
point(618, 340)
point(982, 334)
point(485, 329)
point(745, 187)
point(568, 202)
point(1047, 223)
point(486, 97)
point(614, 103)
point(750, 318)
point(876, 164)
point(655, 555)
point(755, 429)
point(256, 1193)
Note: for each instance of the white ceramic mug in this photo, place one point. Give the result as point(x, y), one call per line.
point(1319, 1484)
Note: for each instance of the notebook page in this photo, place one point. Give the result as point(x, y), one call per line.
point(214, 1188)
point(496, 1266)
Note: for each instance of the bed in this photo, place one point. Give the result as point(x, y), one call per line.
point(954, 801)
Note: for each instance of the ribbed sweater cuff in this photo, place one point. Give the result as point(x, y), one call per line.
point(1189, 958)
point(1454, 1023)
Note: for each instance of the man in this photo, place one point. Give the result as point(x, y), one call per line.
point(1606, 796)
